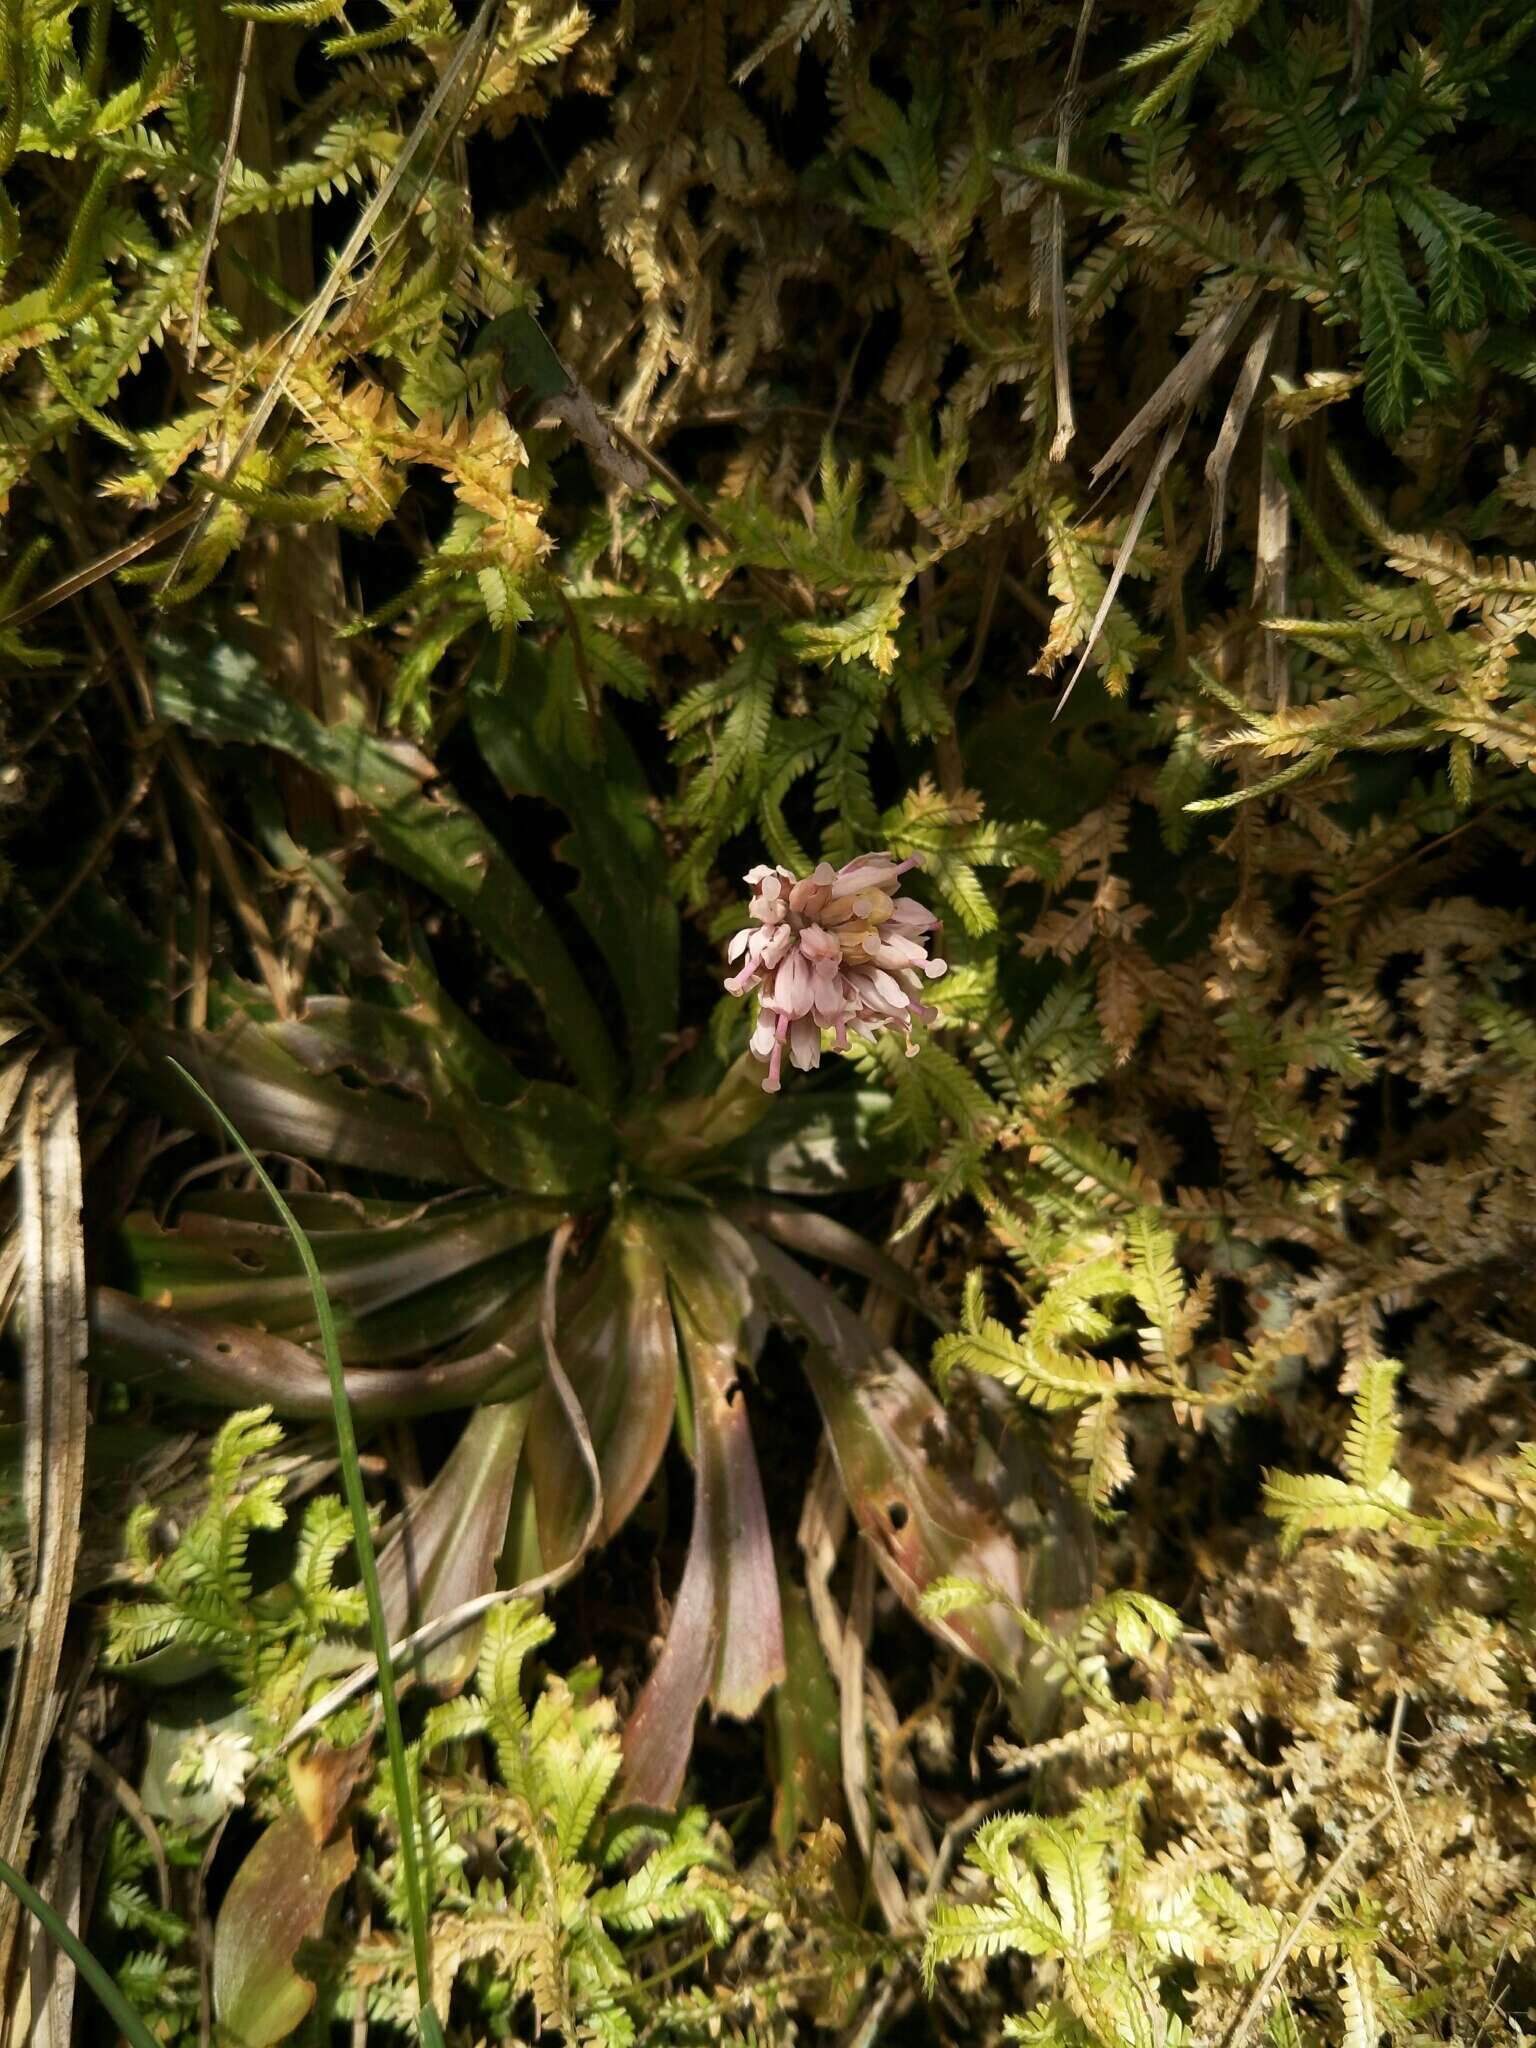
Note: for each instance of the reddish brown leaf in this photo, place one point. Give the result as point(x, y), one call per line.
point(249, 1270)
point(322, 1779)
point(726, 1640)
point(265, 1091)
point(237, 1367)
point(446, 1551)
point(277, 1900)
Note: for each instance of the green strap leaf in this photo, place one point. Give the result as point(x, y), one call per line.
point(544, 1141)
point(623, 898)
point(218, 691)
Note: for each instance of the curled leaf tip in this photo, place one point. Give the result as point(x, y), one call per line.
point(839, 950)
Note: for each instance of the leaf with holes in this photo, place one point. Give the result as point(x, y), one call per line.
point(909, 1479)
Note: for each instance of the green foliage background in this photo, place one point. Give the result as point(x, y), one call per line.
point(1089, 446)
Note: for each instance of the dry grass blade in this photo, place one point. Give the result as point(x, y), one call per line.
point(52, 1275)
point(1066, 422)
point(1138, 519)
point(92, 1760)
point(858, 1789)
point(1172, 402)
point(51, 1978)
point(1359, 16)
point(237, 888)
point(1185, 383)
point(1295, 1934)
point(18, 1048)
point(1271, 576)
point(823, 1527)
point(1219, 462)
point(81, 579)
point(850, 1683)
point(91, 860)
point(1272, 541)
point(1423, 1893)
point(824, 1522)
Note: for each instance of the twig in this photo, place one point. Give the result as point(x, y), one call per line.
point(955, 1834)
point(19, 749)
point(867, 2026)
point(257, 933)
point(992, 583)
point(1489, 1489)
point(203, 1929)
point(1021, 594)
point(202, 945)
point(82, 579)
point(129, 1800)
point(793, 596)
point(221, 187)
point(257, 936)
point(1419, 1900)
point(590, 694)
point(1422, 852)
point(95, 855)
point(1258, 1998)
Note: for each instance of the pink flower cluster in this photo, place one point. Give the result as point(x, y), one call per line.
point(839, 950)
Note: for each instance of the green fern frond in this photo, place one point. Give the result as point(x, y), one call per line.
point(1370, 1448)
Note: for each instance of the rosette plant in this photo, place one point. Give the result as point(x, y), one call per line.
point(580, 1264)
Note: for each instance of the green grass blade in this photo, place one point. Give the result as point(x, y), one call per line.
point(352, 1486)
point(100, 1981)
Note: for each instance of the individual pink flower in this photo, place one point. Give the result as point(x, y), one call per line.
point(838, 950)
